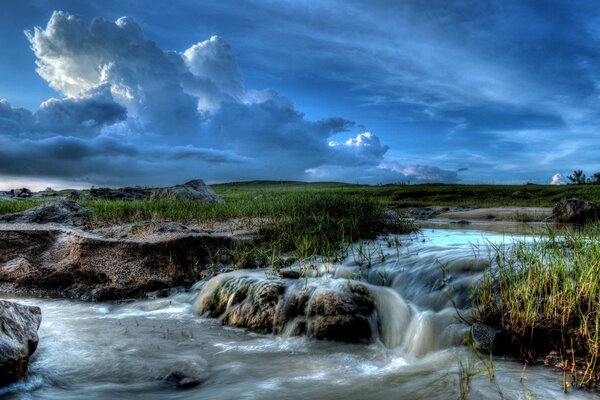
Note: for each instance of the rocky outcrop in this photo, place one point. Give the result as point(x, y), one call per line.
point(323, 309)
point(128, 193)
point(18, 339)
point(62, 212)
point(195, 190)
point(50, 260)
point(21, 193)
point(575, 211)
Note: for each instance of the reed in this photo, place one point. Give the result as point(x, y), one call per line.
point(545, 295)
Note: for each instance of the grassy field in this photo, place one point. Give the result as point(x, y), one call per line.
point(429, 195)
point(263, 198)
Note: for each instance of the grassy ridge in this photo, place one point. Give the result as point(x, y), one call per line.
point(431, 194)
point(323, 220)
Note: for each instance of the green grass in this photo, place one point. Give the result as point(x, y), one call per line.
point(545, 295)
point(16, 206)
point(430, 194)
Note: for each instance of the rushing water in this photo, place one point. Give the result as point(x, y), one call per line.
point(123, 351)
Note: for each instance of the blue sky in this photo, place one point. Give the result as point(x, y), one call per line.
point(472, 91)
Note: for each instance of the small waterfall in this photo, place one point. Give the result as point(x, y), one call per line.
point(413, 331)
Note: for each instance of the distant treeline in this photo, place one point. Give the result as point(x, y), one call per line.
point(578, 178)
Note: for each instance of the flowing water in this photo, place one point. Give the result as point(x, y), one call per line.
point(123, 351)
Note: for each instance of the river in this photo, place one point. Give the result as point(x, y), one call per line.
point(125, 350)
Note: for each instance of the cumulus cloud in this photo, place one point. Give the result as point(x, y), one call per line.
point(557, 179)
point(132, 113)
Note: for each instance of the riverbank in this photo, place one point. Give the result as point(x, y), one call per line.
point(125, 249)
point(129, 349)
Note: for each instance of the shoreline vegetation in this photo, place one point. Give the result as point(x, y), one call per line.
point(542, 298)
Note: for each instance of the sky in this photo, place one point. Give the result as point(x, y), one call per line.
point(156, 93)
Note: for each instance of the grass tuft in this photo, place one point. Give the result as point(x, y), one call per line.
point(545, 295)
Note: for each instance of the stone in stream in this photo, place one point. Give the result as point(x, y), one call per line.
point(324, 309)
point(182, 381)
point(18, 339)
point(575, 211)
point(62, 212)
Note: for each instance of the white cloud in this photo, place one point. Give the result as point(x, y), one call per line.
point(134, 114)
point(557, 179)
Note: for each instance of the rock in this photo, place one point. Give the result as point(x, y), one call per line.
point(57, 261)
point(175, 227)
point(324, 309)
point(195, 190)
point(6, 196)
point(484, 336)
point(62, 212)
point(182, 381)
point(461, 222)
point(78, 195)
point(128, 193)
point(575, 211)
point(22, 193)
point(290, 274)
point(18, 339)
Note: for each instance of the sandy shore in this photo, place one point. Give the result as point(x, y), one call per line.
point(523, 214)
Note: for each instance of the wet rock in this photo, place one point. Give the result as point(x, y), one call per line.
point(324, 309)
point(575, 211)
point(290, 274)
point(484, 337)
point(182, 381)
point(18, 339)
point(195, 190)
point(62, 212)
point(128, 193)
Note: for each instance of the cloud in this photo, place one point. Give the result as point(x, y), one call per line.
point(557, 179)
point(135, 114)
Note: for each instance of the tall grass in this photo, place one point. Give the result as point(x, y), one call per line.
point(545, 296)
point(17, 206)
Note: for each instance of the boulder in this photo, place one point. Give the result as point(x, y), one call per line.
point(323, 309)
point(21, 193)
point(575, 211)
point(62, 212)
point(18, 339)
point(128, 193)
point(78, 195)
point(195, 190)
